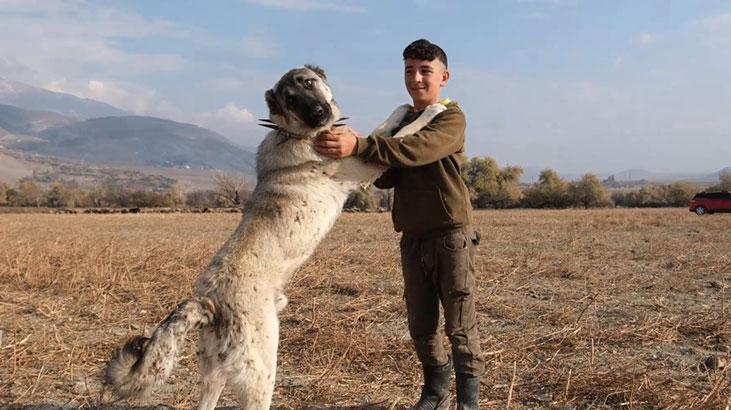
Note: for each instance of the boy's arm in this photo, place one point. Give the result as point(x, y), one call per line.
point(442, 137)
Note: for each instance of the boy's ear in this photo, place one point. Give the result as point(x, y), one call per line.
point(274, 107)
point(445, 78)
point(319, 71)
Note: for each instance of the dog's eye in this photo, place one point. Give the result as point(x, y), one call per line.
point(309, 83)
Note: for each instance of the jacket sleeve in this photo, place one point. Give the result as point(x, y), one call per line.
point(442, 137)
point(387, 180)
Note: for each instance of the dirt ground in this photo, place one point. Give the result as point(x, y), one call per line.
point(577, 309)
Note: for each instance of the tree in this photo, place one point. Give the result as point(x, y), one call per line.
point(725, 179)
point(363, 200)
point(202, 199)
point(489, 186)
point(110, 193)
point(230, 188)
point(509, 192)
point(589, 192)
point(679, 194)
point(551, 191)
point(480, 177)
point(172, 197)
point(29, 193)
point(4, 193)
point(59, 196)
point(675, 194)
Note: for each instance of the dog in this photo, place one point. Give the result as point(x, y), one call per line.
point(298, 196)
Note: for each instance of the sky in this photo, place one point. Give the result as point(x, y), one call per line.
point(576, 86)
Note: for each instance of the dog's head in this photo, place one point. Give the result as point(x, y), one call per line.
point(301, 102)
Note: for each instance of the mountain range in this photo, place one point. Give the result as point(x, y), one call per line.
point(14, 120)
point(38, 99)
point(38, 123)
point(531, 175)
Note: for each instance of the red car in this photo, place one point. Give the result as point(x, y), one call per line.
point(710, 202)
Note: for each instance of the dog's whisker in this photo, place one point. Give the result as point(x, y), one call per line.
point(272, 126)
point(343, 119)
point(265, 120)
point(339, 125)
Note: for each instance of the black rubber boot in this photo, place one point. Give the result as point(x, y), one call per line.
point(468, 392)
point(435, 391)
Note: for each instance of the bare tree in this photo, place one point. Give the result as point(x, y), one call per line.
point(231, 188)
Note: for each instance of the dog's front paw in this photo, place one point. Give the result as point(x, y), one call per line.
point(433, 110)
point(393, 121)
point(425, 118)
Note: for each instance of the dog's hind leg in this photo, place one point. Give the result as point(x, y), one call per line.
point(211, 369)
point(255, 374)
point(211, 387)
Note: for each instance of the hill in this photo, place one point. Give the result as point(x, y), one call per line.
point(657, 177)
point(32, 98)
point(142, 141)
point(15, 120)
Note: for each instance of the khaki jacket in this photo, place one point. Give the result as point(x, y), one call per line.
point(429, 193)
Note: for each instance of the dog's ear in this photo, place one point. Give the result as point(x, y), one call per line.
point(274, 107)
point(319, 71)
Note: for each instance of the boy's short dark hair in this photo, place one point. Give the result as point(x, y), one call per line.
point(423, 49)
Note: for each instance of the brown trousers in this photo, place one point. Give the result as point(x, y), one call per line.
point(441, 269)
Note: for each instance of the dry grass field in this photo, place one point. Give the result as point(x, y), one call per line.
point(577, 309)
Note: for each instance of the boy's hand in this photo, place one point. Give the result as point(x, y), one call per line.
point(337, 143)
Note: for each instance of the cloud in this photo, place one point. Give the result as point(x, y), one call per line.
point(235, 114)
point(70, 39)
point(311, 5)
point(234, 122)
point(646, 39)
point(717, 29)
point(129, 97)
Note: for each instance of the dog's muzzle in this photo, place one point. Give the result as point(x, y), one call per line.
point(319, 115)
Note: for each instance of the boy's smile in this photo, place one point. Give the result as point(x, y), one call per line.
point(423, 80)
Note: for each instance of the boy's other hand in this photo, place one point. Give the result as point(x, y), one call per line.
point(337, 143)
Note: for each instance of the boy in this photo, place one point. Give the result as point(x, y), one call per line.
point(432, 209)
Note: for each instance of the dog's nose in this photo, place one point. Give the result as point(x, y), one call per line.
point(319, 112)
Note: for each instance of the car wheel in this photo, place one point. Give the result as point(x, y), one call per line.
point(700, 211)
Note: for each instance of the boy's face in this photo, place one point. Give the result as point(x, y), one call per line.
point(424, 80)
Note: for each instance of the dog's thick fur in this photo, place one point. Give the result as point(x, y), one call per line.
point(298, 196)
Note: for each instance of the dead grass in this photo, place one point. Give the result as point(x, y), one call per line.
point(577, 309)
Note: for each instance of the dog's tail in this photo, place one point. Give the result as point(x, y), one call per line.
point(144, 362)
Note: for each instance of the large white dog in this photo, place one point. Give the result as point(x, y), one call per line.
point(298, 196)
